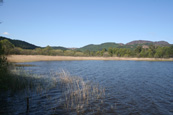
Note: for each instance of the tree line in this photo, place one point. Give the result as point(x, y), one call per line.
point(151, 52)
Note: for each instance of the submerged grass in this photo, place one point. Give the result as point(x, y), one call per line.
point(17, 79)
point(13, 82)
point(79, 94)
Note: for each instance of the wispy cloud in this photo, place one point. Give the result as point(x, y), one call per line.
point(6, 33)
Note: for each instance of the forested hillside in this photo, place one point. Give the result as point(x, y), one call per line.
point(99, 47)
point(140, 48)
point(130, 45)
point(19, 43)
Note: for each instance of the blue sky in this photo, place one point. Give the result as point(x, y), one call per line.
point(75, 23)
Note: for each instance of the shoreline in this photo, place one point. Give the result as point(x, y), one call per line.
point(34, 58)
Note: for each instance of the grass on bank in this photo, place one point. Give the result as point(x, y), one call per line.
point(13, 78)
point(33, 58)
point(16, 80)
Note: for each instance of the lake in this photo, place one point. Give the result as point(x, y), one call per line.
point(131, 87)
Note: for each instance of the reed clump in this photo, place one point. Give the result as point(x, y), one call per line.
point(17, 79)
point(79, 94)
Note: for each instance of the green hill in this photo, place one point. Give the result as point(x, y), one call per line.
point(92, 47)
point(59, 48)
point(99, 47)
point(21, 44)
point(130, 45)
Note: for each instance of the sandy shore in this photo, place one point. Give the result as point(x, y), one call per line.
point(32, 58)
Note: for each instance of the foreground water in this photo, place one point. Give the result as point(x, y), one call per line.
point(131, 87)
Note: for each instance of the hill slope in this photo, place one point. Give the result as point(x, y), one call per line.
point(21, 44)
point(99, 47)
point(145, 42)
point(59, 48)
point(131, 45)
point(92, 47)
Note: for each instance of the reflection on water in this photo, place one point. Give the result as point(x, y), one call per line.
point(131, 87)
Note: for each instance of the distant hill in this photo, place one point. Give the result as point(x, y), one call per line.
point(145, 42)
point(92, 47)
point(99, 47)
point(26, 45)
point(59, 47)
point(21, 44)
point(131, 45)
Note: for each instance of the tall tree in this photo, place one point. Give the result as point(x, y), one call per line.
point(47, 50)
point(3, 62)
point(110, 51)
point(6, 46)
point(138, 49)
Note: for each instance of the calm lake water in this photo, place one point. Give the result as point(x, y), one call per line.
point(131, 87)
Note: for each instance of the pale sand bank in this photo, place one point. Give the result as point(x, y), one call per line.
point(32, 58)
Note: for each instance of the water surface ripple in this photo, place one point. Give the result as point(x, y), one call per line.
point(132, 87)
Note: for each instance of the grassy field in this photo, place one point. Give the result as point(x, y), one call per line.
point(32, 58)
